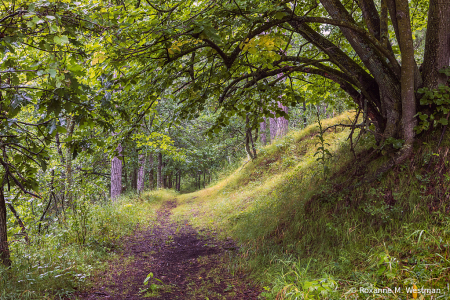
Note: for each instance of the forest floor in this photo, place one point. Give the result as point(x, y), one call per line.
point(185, 263)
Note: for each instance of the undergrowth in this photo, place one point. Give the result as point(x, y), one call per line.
point(304, 236)
point(61, 259)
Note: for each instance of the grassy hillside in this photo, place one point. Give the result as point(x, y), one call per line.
point(309, 230)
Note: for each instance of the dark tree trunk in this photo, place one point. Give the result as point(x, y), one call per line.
point(116, 175)
point(4, 248)
point(437, 44)
point(134, 172)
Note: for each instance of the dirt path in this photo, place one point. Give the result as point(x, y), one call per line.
point(184, 264)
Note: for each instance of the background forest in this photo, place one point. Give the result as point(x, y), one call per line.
point(104, 105)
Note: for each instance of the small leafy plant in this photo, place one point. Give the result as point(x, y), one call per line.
point(153, 288)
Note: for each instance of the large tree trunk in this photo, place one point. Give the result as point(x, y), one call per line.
point(4, 249)
point(151, 178)
point(437, 44)
point(116, 175)
point(141, 173)
point(159, 180)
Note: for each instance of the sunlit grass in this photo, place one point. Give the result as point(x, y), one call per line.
point(305, 235)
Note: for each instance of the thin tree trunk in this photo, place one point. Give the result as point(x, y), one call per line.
point(407, 72)
point(141, 173)
point(204, 179)
point(151, 173)
point(159, 179)
point(4, 249)
point(69, 176)
point(262, 130)
point(116, 175)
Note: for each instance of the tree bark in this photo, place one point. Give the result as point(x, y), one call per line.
point(407, 75)
point(159, 180)
point(141, 173)
point(282, 123)
point(437, 44)
point(116, 175)
point(4, 248)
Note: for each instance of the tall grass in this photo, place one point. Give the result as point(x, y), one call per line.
point(308, 234)
point(61, 260)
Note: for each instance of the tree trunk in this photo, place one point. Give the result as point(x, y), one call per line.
point(151, 178)
point(116, 175)
point(179, 181)
point(262, 132)
point(4, 248)
point(134, 172)
point(159, 179)
point(69, 176)
point(141, 173)
point(407, 72)
point(282, 123)
point(437, 44)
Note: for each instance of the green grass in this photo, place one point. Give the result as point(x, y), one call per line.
point(63, 259)
point(306, 235)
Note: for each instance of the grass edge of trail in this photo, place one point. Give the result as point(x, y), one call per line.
point(304, 235)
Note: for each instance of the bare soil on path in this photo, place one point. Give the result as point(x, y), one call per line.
point(185, 264)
